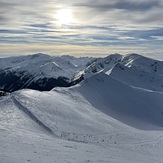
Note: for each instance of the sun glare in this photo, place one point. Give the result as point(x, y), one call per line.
point(65, 16)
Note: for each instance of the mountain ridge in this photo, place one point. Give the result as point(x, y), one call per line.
point(102, 117)
point(39, 71)
point(43, 72)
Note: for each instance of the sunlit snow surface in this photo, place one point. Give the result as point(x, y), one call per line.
point(104, 119)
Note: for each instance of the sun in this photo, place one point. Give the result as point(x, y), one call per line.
point(64, 16)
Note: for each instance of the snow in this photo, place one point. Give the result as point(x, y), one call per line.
point(79, 62)
point(38, 148)
point(133, 69)
point(140, 72)
point(100, 65)
point(85, 123)
point(105, 118)
point(42, 65)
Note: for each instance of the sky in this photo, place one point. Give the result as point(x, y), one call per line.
point(81, 27)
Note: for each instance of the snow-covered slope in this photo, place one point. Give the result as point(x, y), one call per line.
point(140, 72)
point(132, 69)
point(43, 72)
point(78, 62)
point(39, 71)
point(100, 120)
point(99, 65)
point(114, 115)
point(83, 103)
point(122, 101)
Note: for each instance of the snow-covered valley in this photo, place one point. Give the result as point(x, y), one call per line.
point(105, 118)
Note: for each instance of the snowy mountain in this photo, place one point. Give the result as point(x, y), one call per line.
point(98, 120)
point(39, 71)
point(43, 72)
point(99, 65)
point(133, 69)
point(114, 113)
point(140, 72)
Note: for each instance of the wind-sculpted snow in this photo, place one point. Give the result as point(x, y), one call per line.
point(136, 107)
point(132, 69)
point(85, 108)
point(31, 115)
point(140, 72)
point(98, 120)
point(104, 118)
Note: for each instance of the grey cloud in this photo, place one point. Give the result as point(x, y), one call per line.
point(100, 22)
point(3, 19)
point(6, 4)
point(121, 4)
point(145, 34)
point(137, 6)
point(5, 8)
point(13, 31)
point(153, 16)
point(40, 25)
point(122, 12)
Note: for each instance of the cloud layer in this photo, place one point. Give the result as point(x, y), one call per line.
point(102, 26)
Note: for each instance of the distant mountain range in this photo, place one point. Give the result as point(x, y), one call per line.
point(39, 71)
point(43, 72)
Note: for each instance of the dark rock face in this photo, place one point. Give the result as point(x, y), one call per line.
point(3, 93)
point(46, 84)
point(78, 80)
point(12, 81)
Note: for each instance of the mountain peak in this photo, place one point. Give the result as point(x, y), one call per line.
point(37, 55)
